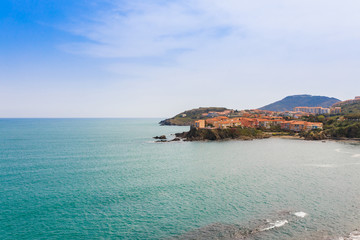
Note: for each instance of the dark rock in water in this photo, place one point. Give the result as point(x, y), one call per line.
point(353, 235)
point(176, 139)
point(160, 137)
point(216, 231)
point(161, 141)
point(181, 135)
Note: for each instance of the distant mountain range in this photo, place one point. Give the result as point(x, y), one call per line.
point(289, 102)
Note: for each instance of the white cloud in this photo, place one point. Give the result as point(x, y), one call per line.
point(139, 29)
point(233, 53)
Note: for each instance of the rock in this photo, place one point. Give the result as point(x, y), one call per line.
point(160, 137)
point(176, 139)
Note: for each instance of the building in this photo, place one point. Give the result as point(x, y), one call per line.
point(266, 122)
point(335, 110)
point(199, 124)
point(249, 122)
point(232, 122)
point(212, 121)
point(312, 126)
point(312, 110)
point(298, 126)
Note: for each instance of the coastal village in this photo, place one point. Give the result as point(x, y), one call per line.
point(262, 119)
point(259, 120)
point(338, 121)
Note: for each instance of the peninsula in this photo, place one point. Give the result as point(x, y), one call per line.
point(339, 121)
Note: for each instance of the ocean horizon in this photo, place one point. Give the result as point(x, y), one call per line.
point(91, 178)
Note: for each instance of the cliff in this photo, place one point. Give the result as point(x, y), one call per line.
point(222, 134)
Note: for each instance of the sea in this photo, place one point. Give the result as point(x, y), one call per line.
point(109, 179)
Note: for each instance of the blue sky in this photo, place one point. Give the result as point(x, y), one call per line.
point(156, 58)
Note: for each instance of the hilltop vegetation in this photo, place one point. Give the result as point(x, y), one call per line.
point(352, 108)
point(187, 117)
point(288, 103)
point(340, 126)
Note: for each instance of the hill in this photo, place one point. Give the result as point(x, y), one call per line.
point(351, 108)
point(187, 117)
point(289, 102)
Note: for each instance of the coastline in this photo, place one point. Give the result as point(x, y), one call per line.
point(287, 137)
point(195, 136)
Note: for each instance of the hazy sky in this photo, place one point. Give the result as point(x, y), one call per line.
point(155, 58)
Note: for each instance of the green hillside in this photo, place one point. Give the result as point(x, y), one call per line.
point(353, 108)
point(344, 125)
point(187, 117)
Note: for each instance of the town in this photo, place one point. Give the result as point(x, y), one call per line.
point(267, 120)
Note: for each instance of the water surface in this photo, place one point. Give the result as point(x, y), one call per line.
point(106, 178)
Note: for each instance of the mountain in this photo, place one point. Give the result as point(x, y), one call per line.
point(289, 102)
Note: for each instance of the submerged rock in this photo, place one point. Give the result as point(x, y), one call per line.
point(214, 231)
point(160, 137)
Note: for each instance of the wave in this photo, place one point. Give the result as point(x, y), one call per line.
point(300, 214)
point(322, 165)
point(276, 224)
point(355, 235)
point(248, 231)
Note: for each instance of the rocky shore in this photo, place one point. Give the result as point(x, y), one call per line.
point(246, 134)
point(221, 134)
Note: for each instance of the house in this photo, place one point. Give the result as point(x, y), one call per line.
point(264, 123)
point(234, 122)
point(312, 126)
point(211, 121)
point(199, 124)
point(249, 122)
point(298, 126)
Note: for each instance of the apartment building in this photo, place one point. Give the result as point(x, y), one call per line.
point(312, 110)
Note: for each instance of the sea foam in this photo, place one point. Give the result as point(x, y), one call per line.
point(276, 224)
point(300, 214)
point(355, 235)
point(322, 165)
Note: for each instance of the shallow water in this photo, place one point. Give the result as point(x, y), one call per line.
point(106, 178)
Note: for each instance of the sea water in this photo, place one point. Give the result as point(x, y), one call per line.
point(107, 178)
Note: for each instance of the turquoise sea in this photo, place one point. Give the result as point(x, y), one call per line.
point(107, 179)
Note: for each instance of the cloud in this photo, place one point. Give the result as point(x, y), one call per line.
point(271, 48)
point(157, 28)
point(139, 29)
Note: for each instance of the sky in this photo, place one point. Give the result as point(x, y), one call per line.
point(156, 58)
